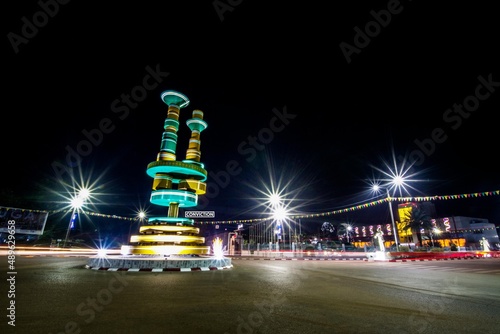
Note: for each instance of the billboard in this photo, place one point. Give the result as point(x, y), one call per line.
point(25, 221)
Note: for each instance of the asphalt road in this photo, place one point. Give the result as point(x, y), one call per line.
point(58, 295)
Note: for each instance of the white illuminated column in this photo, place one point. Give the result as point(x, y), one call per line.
point(218, 248)
point(279, 216)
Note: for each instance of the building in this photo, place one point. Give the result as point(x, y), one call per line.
point(471, 230)
point(459, 230)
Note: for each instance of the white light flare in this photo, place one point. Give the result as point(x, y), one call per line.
point(218, 248)
point(102, 252)
point(280, 213)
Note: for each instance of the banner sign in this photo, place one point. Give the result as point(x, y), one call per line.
point(199, 214)
point(26, 221)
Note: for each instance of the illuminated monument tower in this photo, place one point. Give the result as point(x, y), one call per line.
point(176, 184)
point(171, 242)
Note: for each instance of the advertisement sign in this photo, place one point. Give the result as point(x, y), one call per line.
point(26, 221)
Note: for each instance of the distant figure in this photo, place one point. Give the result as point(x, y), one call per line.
point(485, 244)
point(379, 236)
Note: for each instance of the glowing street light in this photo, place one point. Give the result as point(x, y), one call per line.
point(376, 188)
point(348, 230)
point(77, 202)
point(279, 214)
point(396, 182)
point(275, 200)
point(141, 215)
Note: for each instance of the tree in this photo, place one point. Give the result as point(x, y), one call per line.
point(327, 228)
point(416, 221)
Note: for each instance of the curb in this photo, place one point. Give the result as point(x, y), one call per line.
point(438, 259)
point(157, 269)
point(300, 259)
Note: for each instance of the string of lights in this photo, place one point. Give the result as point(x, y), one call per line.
point(367, 205)
point(321, 214)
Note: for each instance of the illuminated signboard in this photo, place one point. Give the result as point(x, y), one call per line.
point(26, 221)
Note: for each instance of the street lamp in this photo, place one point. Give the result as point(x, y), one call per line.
point(279, 215)
point(376, 187)
point(348, 229)
point(77, 202)
point(394, 230)
point(396, 181)
point(141, 215)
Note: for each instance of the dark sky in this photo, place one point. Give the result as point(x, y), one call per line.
point(328, 89)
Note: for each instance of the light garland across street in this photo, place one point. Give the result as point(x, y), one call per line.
point(321, 214)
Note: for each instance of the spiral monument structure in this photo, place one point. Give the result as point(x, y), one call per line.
point(176, 184)
point(170, 241)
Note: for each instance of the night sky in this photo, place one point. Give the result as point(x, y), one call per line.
point(327, 92)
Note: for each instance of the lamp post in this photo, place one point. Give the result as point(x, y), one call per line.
point(349, 229)
point(279, 215)
point(395, 179)
point(376, 188)
point(394, 230)
point(140, 217)
point(71, 221)
point(77, 202)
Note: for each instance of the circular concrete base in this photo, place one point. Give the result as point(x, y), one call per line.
point(158, 263)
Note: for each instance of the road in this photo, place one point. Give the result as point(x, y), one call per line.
point(56, 294)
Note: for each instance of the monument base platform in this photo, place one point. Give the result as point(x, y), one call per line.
point(157, 263)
